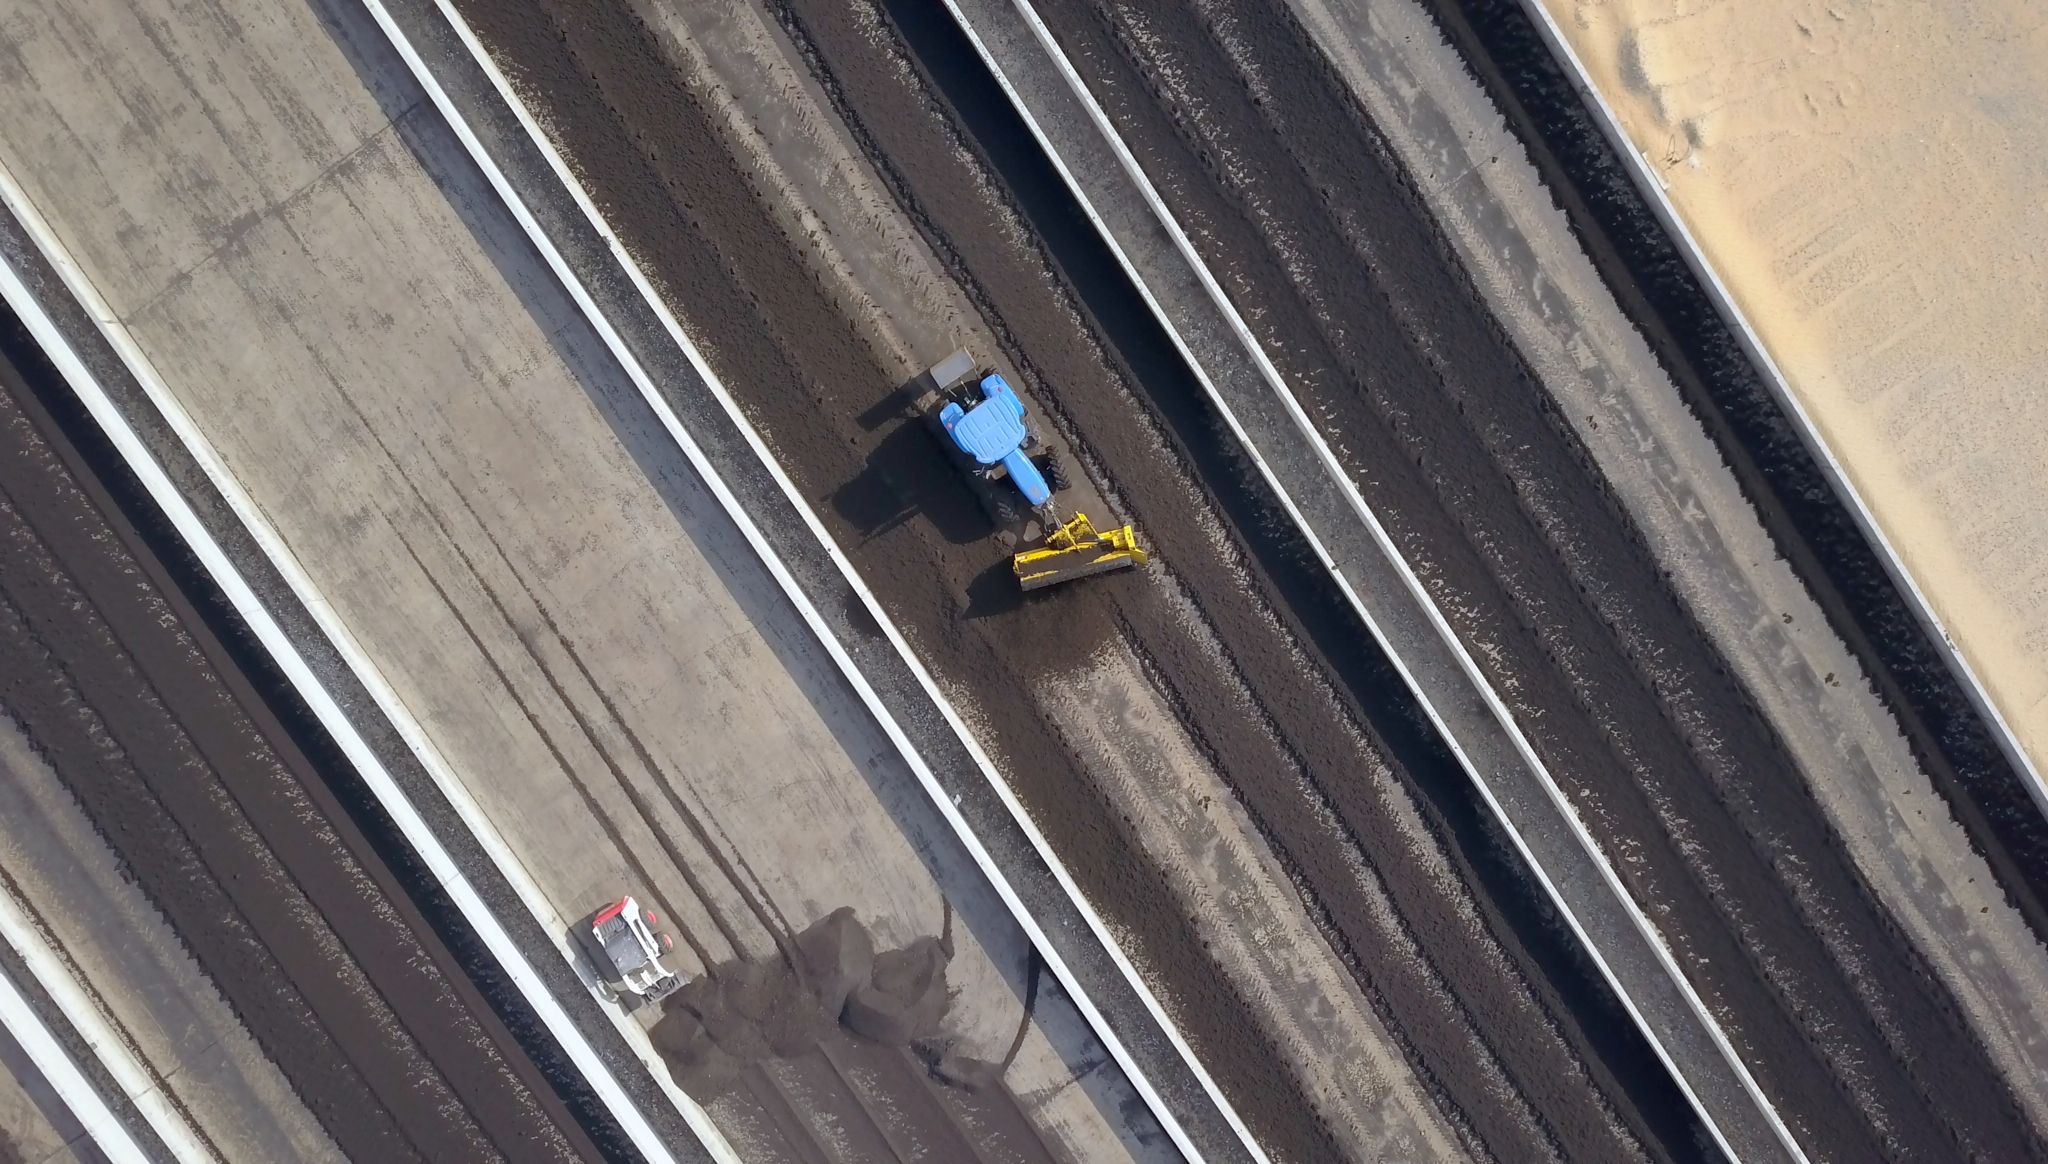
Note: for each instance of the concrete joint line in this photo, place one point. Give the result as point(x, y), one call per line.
point(1651, 186)
point(1466, 665)
point(135, 452)
point(80, 1096)
point(794, 590)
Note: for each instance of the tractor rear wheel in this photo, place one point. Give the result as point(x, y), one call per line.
point(1055, 472)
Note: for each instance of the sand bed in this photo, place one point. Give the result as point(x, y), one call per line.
point(1866, 178)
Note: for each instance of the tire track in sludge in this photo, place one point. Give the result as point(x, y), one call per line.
point(482, 585)
point(911, 1118)
point(838, 1103)
point(905, 1087)
point(584, 793)
point(767, 1098)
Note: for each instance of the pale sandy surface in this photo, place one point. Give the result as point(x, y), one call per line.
point(1868, 178)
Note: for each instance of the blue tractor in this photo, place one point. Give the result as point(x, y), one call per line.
point(980, 420)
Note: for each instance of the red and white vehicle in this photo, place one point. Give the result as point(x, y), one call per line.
point(629, 952)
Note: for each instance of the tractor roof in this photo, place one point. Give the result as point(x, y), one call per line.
point(991, 430)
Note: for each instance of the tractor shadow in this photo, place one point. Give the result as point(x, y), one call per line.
point(895, 407)
point(909, 474)
point(994, 592)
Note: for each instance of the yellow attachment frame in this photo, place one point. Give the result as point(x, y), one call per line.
point(1075, 549)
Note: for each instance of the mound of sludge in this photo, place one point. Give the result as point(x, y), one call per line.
point(743, 1012)
point(904, 999)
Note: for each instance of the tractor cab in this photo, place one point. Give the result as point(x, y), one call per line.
point(993, 433)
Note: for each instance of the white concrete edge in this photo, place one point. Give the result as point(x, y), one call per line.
point(50, 1058)
point(795, 593)
point(1651, 186)
point(1334, 470)
point(63, 1076)
point(296, 670)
